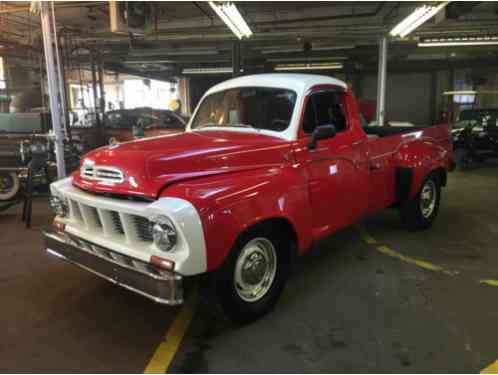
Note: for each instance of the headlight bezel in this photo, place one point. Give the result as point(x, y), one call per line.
point(164, 233)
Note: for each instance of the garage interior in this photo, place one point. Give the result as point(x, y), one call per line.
point(369, 298)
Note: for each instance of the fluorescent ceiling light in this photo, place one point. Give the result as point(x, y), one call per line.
point(471, 92)
point(461, 92)
point(222, 70)
point(306, 59)
point(229, 14)
point(289, 67)
point(459, 41)
point(416, 18)
point(273, 50)
point(462, 44)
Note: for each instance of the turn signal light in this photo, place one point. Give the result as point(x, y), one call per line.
point(162, 263)
point(59, 226)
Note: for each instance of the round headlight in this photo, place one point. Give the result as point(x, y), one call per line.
point(164, 233)
point(59, 206)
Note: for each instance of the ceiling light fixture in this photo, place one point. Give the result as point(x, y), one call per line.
point(221, 70)
point(273, 50)
point(289, 67)
point(459, 41)
point(325, 59)
point(229, 14)
point(416, 18)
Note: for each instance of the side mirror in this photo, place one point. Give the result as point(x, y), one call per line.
point(321, 132)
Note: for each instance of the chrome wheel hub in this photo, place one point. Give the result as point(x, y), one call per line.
point(428, 198)
point(255, 269)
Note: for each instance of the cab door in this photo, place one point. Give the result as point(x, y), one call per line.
point(337, 169)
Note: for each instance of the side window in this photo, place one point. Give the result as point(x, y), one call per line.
point(327, 108)
point(309, 123)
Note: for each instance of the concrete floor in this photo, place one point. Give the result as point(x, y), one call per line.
point(347, 307)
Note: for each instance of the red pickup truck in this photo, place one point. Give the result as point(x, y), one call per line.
point(268, 165)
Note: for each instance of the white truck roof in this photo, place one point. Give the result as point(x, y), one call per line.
point(300, 83)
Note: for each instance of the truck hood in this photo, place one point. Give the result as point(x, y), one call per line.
point(148, 165)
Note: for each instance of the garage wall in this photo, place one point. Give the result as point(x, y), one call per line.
point(408, 96)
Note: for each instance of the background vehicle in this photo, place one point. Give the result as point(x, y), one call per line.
point(119, 125)
point(269, 164)
point(475, 130)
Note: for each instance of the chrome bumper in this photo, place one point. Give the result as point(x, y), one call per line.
point(161, 286)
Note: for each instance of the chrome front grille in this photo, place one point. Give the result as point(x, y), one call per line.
point(116, 221)
point(144, 228)
point(102, 174)
point(121, 227)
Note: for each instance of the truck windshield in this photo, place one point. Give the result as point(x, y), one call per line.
point(254, 107)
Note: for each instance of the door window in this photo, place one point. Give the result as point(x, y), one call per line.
point(325, 108)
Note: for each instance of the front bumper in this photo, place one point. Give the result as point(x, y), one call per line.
point(161, 286)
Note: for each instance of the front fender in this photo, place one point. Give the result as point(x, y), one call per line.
point(230, 204)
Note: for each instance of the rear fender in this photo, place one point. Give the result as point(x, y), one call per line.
point(415, 161)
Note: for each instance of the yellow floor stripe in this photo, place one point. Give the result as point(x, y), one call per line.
point(166, 351)
point(489, 282)
point(394, 254)
point(491, 369)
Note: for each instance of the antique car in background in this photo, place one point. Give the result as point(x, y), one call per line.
point(473, 116)
point(475, 136)
point(24, 137)
point(124, 125)
point(15, 129)
point(269, 165)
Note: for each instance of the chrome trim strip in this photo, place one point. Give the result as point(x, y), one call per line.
point(75, 244)
point(101, 173)
point(171, 284)
point(126, 286)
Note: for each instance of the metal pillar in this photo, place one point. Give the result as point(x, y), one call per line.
point(49, 36)
point(451, 87)
point(62, 86)
point(381, 82)
point(94, 88)
point(100, 67)
point(236, 59)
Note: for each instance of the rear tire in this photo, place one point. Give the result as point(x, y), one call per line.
point(250, 282)
point(10, 185)
point(420, 212)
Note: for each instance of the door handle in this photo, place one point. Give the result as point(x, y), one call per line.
point(374, 166)
point(357, 143)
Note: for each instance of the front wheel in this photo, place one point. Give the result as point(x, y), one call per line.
point(252, 279)
point(421, 211)
point(9, 185)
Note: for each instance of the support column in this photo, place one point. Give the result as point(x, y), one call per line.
point(451, 87)
point(62, 83)
point(381, 82)
point(94, 88)
point(236, 59)
point(433, 98)
point(100, 63)
point(49, 34)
